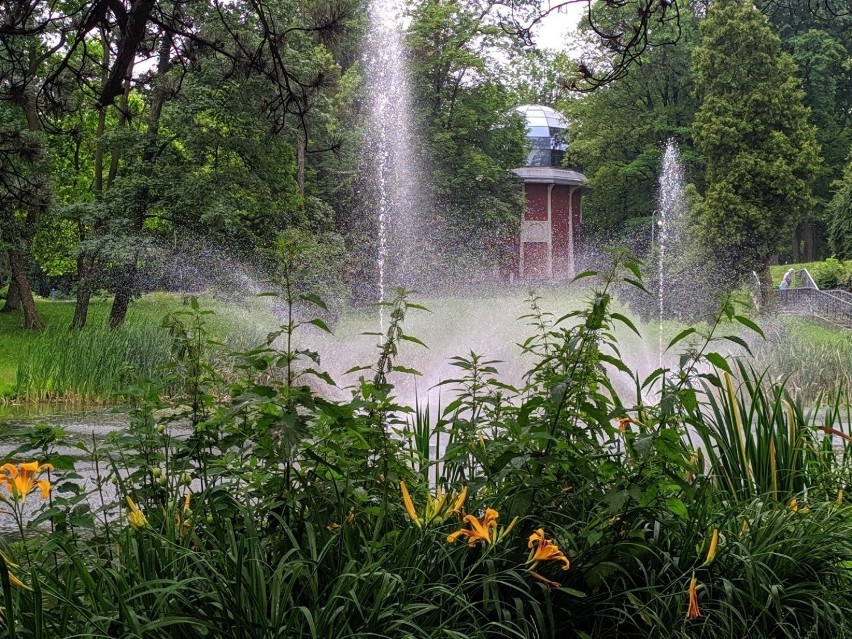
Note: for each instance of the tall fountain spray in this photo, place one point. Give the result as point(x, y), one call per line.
point(389, 165)
point(668, 233)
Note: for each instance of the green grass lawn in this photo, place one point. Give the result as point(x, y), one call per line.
point(485, 322)
point(58, 363)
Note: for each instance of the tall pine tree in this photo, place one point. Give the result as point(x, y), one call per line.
point(752, 127)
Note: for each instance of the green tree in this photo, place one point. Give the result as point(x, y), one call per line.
point(819, 37)
point(840, 217)
point(618, 132)
point(469, 132)
point(752, 128)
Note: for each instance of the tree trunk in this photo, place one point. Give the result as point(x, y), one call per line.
point(123, 294)
point(85, 269)
point(81, 307)
point(13, 298)
point(124, 289)
point(19, 273)
point(300, 165)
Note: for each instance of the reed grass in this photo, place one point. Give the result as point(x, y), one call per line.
point(90, 365)
point(811, 357)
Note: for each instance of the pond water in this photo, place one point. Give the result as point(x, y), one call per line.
point(82, 428)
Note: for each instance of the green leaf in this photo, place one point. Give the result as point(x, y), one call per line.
point(583, 275)
point(320, 324)
point(355, 369)
point(637, 284)
point(677, 507)
point(633, 267)
point(403, 369)
point(749, 324)
point(615, 362)
point(409, 338)
point(680, 336)
point(718, 361)
point(739, 341)
point(689, 399)
point(314, 299)
point(321, 375)
point(624, 320)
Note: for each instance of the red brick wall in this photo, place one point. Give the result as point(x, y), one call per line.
point(577, 212)
point(536, 208)
point(559, 230)
point(535, 260)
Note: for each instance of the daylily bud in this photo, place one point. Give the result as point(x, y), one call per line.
point(711, 552)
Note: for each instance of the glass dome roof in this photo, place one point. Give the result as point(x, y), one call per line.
point(547, 131)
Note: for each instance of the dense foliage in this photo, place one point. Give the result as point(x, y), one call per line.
point(752, 127)
point(264, 509)
point(619, 131)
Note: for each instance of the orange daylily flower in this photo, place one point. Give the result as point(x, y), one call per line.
point(545, 550)
point(23, 479)
point(624, 423)
point(484, 531)
point(692, 610)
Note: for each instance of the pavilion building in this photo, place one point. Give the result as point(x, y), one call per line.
point(551, 226)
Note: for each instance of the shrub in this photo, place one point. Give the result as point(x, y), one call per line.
point(831, 274)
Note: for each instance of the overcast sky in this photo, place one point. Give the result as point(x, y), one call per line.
point(552, 32)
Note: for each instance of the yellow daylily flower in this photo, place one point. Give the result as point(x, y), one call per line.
point(436, 511)
point(689, 475)
point(796, 508)
point(136, 518)
point(692, 609)
point(23, 479)
point(485, 531)
point(544, 549)
point(409, 505)
point(714, 543)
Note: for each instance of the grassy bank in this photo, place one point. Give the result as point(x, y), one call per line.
point(90, 365)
